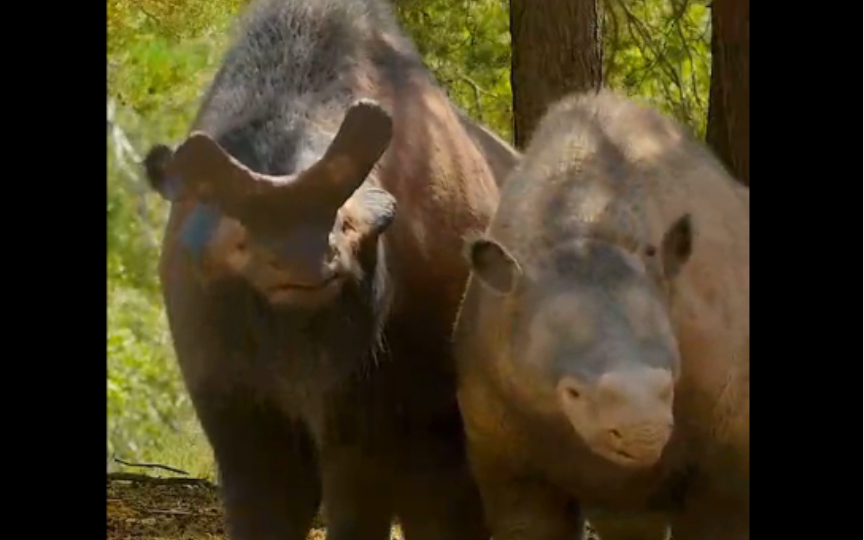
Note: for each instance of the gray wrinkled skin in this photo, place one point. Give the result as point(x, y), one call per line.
point(603, 340)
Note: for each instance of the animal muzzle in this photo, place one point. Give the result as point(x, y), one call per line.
point(624, 417)
point(298, 274)
point(298, 289)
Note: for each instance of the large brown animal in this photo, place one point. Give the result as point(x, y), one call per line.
point(603, 341)
point(500, 156)
point(311, 322)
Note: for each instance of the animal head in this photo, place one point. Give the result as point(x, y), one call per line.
point(296, 239)
point(590, 339)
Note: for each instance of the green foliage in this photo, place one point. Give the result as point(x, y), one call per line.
point(129, 21)
point(144, 392)
point(656, 50)
point(155, 80)
point(162, 53)
point(466, 44)
point(659, 51)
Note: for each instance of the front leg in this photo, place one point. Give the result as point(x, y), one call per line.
point(438, 499)
point(710, 524)
point(710, 517)
point(357, 496)
point(527, 509)
point(441, 505)
point(268, 473)
point(628, 527)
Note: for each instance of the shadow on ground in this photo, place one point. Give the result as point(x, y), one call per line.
point(141, 507)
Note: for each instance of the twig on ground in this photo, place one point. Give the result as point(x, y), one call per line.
point(143, 478)
point(169, 512)
point(151, 466)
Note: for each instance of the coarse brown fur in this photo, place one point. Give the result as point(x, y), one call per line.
point(500, 156)
point(604, 175)
point(353, 403)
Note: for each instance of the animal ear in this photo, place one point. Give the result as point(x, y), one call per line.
point(677, 245)
point(155, 170)
point(368, 213)
point(493, 265)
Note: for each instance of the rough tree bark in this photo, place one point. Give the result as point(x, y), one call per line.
point(556, 50)
point(728, 131)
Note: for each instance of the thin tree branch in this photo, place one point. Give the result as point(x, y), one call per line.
point(636, 26)
point(151, 466)
point(477, 90)
point(615, 40)
point(687, 48)
point(144, 479)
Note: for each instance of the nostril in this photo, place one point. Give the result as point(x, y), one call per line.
point(573, 393)
point(615, 434)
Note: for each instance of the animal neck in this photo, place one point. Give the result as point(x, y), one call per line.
point(345, 335)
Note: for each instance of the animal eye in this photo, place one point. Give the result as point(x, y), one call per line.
point(347, 224)
point(650, 251)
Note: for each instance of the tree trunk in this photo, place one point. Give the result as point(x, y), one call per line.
point(556, 50)
point(728, 131)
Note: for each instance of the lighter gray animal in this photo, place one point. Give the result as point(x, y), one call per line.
point(603, 342)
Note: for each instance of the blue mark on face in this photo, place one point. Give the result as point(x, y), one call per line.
point(198, 229)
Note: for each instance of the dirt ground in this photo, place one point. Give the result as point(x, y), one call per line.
point(141, 507)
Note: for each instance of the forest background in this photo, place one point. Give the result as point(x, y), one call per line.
point(163, 53)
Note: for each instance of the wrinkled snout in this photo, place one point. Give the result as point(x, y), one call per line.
point(298, 270)
point(624, 416)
